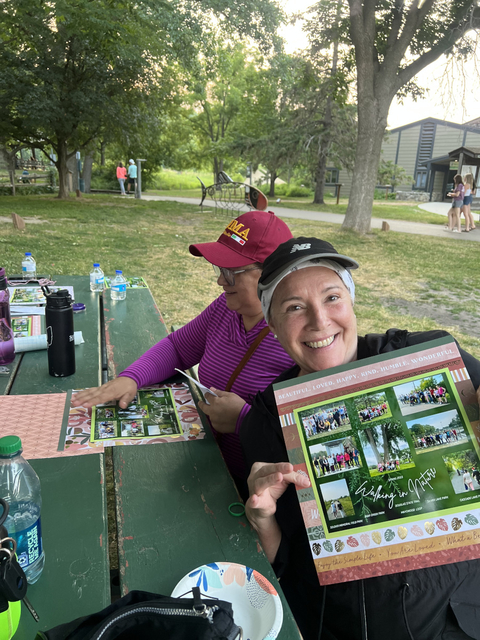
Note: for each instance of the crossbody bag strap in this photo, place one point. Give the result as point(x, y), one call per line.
point(253, 347)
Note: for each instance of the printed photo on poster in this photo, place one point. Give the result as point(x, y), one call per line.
point(320, 421)
point(152, 413)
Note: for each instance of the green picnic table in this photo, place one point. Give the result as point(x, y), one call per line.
point(171, 499)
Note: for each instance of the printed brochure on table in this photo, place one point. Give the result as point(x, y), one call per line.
point(33, 295)
point(391, 446)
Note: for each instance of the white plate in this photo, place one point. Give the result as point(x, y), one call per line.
point(257, 607)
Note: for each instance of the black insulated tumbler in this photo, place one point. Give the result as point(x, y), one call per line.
point(60, 334)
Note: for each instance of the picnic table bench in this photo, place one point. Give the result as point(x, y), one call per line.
point(171, 499)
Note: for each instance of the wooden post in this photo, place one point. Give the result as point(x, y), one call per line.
point(338, 191)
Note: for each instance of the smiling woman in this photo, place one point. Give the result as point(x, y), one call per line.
point(307, 295)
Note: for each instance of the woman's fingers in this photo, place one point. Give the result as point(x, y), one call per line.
point(266, 476)
point(123, 389)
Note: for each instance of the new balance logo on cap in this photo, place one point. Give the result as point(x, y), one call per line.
point(300, 247)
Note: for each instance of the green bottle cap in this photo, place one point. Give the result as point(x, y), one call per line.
point(9, 445)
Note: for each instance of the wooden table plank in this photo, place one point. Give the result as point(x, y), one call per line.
point(6, 380)
point(172, 499)
point(34, 376)
point(172, 516)
point(76, 578)
point(132, 326)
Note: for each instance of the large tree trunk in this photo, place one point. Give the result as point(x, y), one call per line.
point(9, 159)
point(61, 165)
point(87, 170)
point(320, 178)
point(373, 444)
point(103, 146)
point(372, 122)
point(273, 177)
point(386, 448)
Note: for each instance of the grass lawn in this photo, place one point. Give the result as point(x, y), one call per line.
point(404, 281)
point(375, 472)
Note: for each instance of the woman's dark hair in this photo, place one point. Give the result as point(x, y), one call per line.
point(458, 179)
point(120, 164)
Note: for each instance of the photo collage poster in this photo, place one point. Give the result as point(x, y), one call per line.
point(151, 414)
point(391, 446)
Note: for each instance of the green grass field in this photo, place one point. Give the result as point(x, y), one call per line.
point(405, 281)
point(403, 465)
point(347, 506)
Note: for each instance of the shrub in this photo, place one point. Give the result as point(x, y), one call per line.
point(296, 191)
point(105, 177)
point(287, 190)
point(380, 195)
point(27, 190)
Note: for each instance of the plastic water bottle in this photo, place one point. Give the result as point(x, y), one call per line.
point(20, 487)
point(29, 267)
point(7, 347)
point(118, 287)
point(97, 279)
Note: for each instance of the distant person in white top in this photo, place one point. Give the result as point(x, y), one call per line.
point(132, 175)
point(467, 480)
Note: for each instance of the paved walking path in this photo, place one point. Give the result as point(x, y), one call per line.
point(402, 226)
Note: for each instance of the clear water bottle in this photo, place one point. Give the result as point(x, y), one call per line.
point(7, 347)
point(97, 279)
point(20, 487)
point(118, 287)
point(29, 267)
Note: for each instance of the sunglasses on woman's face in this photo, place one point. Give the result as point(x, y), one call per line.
point(229, 275)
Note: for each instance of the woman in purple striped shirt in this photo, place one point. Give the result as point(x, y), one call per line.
point(219, 338)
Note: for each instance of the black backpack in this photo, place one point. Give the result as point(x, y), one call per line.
point(147, 615)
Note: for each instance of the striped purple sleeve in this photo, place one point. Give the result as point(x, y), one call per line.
point(245, 409)
point(182, 349)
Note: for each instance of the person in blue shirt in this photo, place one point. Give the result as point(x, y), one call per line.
point(132, 175)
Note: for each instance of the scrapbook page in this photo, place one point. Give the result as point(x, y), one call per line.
point(391, 446)
point(32, 295)
point(162, 413)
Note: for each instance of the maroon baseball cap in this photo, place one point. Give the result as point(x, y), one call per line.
point(251, 237)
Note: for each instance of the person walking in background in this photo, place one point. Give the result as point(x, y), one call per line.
point(121, 177)
point(456, 194)
point(467, 480)
point(470, 190)
point(132, 175)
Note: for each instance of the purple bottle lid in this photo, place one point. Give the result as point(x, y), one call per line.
point(78, 306)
